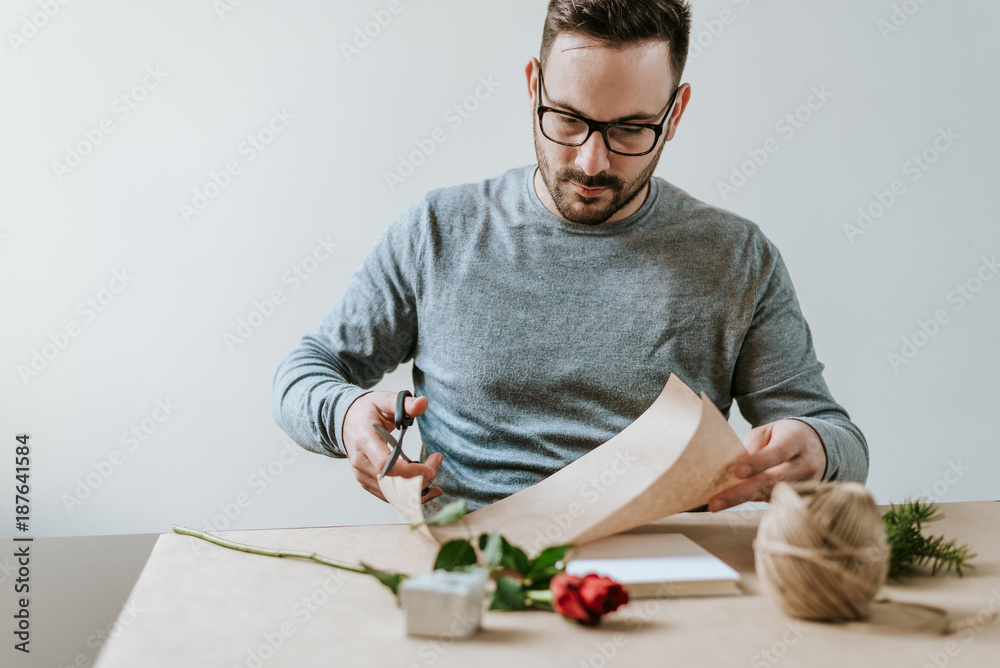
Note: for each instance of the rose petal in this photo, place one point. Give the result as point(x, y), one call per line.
point(602, 595)
point(567, 602)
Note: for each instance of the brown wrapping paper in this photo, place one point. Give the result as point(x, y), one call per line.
point(678, 454)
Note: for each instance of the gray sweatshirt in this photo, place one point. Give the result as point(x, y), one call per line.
point(536, 339)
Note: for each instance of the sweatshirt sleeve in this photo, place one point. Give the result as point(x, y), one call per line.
point(777, 374)
point(369, 331)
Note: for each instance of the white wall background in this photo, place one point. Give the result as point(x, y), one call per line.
point(929, 421)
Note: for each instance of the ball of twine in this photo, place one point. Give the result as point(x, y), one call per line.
point(821, 550)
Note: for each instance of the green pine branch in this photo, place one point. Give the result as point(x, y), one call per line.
point(913, 551)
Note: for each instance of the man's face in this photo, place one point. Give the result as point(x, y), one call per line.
point(588, 184)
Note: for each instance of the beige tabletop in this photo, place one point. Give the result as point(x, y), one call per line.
point(202, 605)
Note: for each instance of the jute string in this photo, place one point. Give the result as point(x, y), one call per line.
point(822, 555)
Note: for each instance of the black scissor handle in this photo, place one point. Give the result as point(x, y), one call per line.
point(401, 420)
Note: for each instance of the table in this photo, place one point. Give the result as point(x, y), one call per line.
point(203, 605)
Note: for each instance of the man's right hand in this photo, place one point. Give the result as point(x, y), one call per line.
point(369, 452)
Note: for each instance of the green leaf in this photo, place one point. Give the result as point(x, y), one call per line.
point(507, 596)
point(515, 558)
point(454, 554)
point(492, 547)
point(451, 513)
point(544, 566)
point(389, 579)
point(501, 554)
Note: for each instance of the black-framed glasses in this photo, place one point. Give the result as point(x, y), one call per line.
point(569, 129)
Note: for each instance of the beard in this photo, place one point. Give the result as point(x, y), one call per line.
point(576, 208)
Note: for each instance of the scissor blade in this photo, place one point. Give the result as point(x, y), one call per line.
point(397, 451)
point(392, 441)
point(386, 435)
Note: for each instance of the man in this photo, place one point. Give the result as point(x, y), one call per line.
point(544, 309)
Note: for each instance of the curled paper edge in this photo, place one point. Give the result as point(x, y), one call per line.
point(674, 457)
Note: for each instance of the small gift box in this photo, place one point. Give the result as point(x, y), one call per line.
point(444, 603)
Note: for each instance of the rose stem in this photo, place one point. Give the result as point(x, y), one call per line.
point(266, 551)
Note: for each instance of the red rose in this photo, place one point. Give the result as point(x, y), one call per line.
point(584, 600)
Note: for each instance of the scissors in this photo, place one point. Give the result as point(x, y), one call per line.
point(402, 422)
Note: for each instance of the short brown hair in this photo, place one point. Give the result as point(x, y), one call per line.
point(622, 22)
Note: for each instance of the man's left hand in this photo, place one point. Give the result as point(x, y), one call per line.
point(781, 451)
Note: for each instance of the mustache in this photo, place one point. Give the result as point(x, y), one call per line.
point(597, 181)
